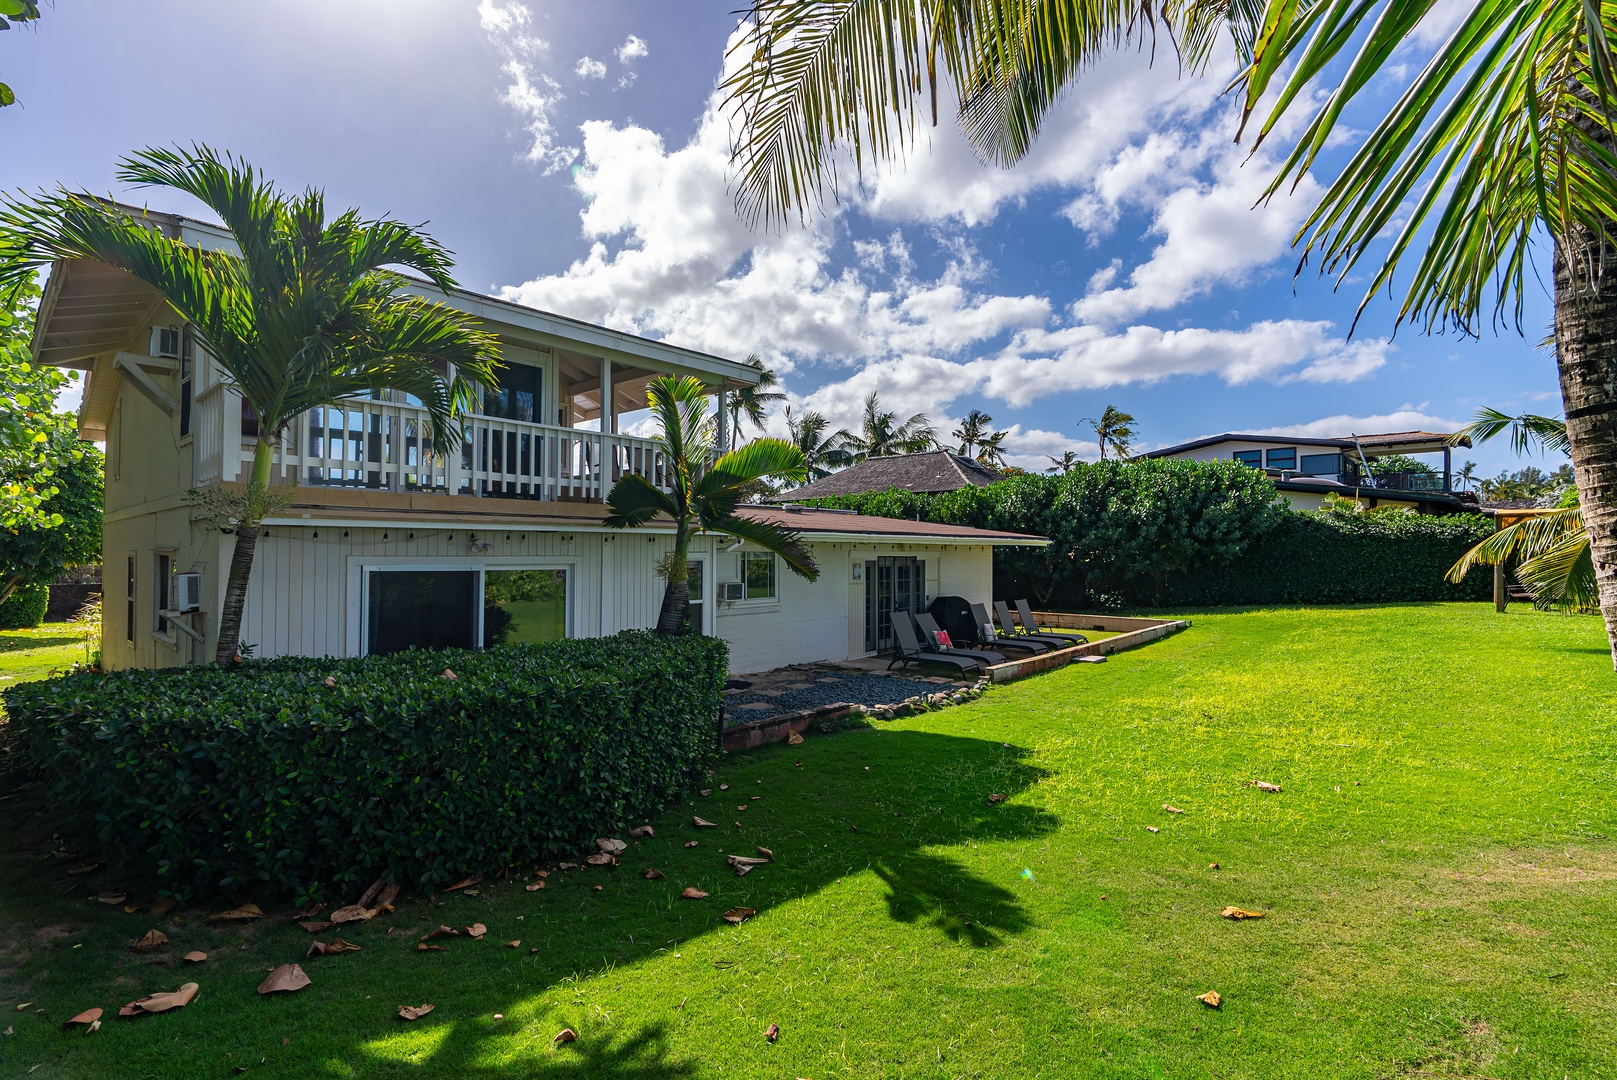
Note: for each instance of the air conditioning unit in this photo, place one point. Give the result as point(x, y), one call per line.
point(187, 592)
point(730, 591)
point(165, 342)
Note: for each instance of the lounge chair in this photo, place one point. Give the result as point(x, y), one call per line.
point(985, 629)
point(1033, 628)
point(929, 640)
point(1007, 626)
point(910, 651)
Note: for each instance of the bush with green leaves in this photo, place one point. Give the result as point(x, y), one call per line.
point(264, 778)
point(25, 607)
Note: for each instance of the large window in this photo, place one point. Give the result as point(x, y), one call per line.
point(1322, 464)
point(1253, 458)
point(1283, 458)
point(758, 572)
point(524, 607)
point(429, 609)
point(162, 591)
point(518, 395)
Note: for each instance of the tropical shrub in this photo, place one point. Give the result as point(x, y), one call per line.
point(265, 777)
point(25, 607)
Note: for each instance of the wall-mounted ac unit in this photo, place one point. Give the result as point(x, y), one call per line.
point(730, 591)
point(187, 592)
point(165, 342)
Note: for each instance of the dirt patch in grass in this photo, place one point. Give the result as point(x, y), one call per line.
point(1541, 867)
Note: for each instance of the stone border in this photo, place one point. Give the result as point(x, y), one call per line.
point(1132, 633)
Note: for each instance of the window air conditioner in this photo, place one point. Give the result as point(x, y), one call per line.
point(187, 592)
point(166, 342)
point(732, 590)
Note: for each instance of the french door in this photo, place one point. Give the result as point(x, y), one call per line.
point(893, 583)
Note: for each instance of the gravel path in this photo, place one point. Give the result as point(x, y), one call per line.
point(823, 687)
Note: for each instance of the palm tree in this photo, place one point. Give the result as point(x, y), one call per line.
point(821, 453)
point(1067, 462)
point(1113, 429)
point(972, 430)
point(1466, 476)
point(991, 449)
point(1510, 127)
point(881, 434)
point(752, 402)
point(704, 496)
point(303, 315)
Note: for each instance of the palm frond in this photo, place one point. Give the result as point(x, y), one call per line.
point(1523, 540)
point(783, 542)
point(1549, 432)
point(1563, 575)
point(634, 501)
point(719, 491)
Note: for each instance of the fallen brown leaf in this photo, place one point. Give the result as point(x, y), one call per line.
point(331, 680)
point(414, 1012)
point(422, 946)
point(163, 905)
point(371, 893)
point(600, 858)
point(642, 831)
point(88, 1016)
point(691, 892)
point(351, 913)
point(152, 939)
point(1240, 913)
point(541, 873)
point(536, 886)
point(743, 864)
point(113, 898)
point(236, 914)
point(87, 868)
point(772, 1032)
point(441, 931)
point(316, 927)
point(595, 888)
point(517, 944)
point(157, 1003)
point(1172, 809)
point(312, 909)
point(1210, 999)
point(384, 899)
point(652, 875)
point(1212, 866)
point(565, 1035)
point(739, 914)
point(690, 843)
point(328, 948)
point(448, 674)
point(24, 1005)
point(993, 799)
point(705, 792)
point(1152, 828)
point(766, 853)
point(475, 879)
point(130, 909)
point(284, 979)
point(793, 738)
point(1263, 785)
point(702, 823)
point(743, 806)
point(724, 787)
point(611, 846)
point(194, 957)
point(476, 931)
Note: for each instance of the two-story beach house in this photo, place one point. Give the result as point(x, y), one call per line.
point(388, 546)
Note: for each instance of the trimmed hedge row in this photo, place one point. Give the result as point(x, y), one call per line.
point(1335, 558)
point(265, 776)
point(25, 607)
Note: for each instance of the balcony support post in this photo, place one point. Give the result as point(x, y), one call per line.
point(1448, 469)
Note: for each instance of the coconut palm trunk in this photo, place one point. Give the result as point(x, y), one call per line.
point(676, 607)
point(1586, 348)
point(234, 601)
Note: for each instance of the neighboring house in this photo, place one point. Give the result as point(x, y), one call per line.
point(936, 470)
point(1307, 470)
point(387, 547)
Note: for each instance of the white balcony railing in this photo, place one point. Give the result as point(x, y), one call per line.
point(383, 445)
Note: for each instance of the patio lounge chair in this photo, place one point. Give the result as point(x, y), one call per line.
point(1007, 626)
point(910, 651)
point(1033, 628)
point(928, 627)
point(985, 630)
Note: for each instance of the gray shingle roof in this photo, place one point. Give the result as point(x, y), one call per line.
point(938, 470)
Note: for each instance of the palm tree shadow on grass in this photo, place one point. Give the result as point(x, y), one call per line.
point(924, 791)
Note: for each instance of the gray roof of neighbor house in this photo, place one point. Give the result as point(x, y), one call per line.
point(1390, 442)
point(938, 470)
point(845, 525)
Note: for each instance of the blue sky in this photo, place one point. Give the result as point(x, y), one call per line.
point(575, 158)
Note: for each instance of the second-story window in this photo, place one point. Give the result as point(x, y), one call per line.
point(1253, 458)
point(187, 378)
point(518, 395)
point(1283, 459)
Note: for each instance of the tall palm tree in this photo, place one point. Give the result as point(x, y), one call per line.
point(1466, 476)
point(882, 435)
point(1510, 127)
point(1067, 462)
point(973, 430)
point(822, 453)
point(704, 496)
point(1113, 429)
point(991, 449)
point(303, 315)
point(751, 403)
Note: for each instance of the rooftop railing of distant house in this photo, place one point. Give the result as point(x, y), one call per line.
point(386, 445)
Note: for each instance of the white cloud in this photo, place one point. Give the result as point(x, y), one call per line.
point(589, 69)
point(529, 92)
point(632, 48)
point(1406, 417)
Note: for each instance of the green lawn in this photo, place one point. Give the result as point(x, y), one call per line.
point(1437, 877)
point(36, 653)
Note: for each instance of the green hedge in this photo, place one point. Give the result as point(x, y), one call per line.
point(266, 777)
point(1336, 558)
point(25, 607)
point(1204, 533)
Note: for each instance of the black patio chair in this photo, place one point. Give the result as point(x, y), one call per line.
point(987, 636)
point(929, 640)
point(1033, 628)
point(1007, 626)
point(910, 651)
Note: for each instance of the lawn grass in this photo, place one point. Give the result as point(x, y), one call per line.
point(1436, 873)
point(37, 652)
